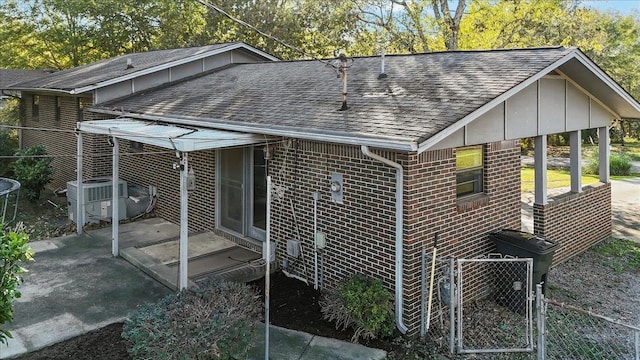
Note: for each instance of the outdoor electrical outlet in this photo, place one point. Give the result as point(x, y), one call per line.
point(336, 186)
point(321, 240)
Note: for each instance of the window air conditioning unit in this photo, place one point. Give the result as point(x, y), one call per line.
point(98, 194)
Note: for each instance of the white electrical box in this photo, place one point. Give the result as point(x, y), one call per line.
point(293, 248)
point(273, 252)
point(321, 240)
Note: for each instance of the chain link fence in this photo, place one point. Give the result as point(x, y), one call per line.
point(572, 333)
point(485, 307)
point(494, 305)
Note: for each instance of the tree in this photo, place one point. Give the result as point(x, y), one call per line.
point(412, 26)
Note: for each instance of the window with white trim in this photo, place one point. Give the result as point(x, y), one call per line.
point(469, 170)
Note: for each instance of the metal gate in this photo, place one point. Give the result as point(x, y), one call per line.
point(494, 305)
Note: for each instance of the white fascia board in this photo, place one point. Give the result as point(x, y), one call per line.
point(424, 146)
point(399, 144)
point(171, 64)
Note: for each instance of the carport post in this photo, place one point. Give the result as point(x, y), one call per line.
point(184, 221)
point(603, 154)
point(116, 195)
point(80, 194)
point(540, 159)
point(575, 159)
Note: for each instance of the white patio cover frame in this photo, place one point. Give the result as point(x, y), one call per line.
point(180, 139)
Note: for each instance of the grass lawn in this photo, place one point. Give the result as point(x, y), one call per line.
point(555, 179)
point(559, 178)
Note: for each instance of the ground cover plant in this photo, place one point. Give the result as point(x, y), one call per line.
point(214, 321)
point(14, 253)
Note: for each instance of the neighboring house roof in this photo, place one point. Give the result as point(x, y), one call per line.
point(106, 72)
point(423, 95)
point(12, 76)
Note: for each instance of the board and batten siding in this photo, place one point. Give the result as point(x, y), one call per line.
point(550, 105)
point(174, 73)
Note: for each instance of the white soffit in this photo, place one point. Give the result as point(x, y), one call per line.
point(169, 136)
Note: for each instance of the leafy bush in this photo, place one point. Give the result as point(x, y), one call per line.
point(217, 321)
point(14, 250)
point(619, 164)
point(33, 170)
point(361, 303)
point(8, 147)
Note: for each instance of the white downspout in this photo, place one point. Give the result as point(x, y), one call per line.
point(399, 221)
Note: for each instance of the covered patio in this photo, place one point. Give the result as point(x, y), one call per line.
point(160, 258)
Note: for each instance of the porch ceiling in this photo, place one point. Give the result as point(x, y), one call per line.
point(168, 136)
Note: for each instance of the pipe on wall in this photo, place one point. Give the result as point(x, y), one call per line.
point(399, 220)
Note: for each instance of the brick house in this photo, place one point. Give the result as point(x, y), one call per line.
point(428, 144)
point(58, 100)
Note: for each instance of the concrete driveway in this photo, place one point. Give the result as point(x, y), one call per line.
point(625, 208)
point(75, 286)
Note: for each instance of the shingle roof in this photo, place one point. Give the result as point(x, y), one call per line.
point(12, 76)
point(112, 68)
point(422, 95)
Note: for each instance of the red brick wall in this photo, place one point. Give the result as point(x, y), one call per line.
point(575, 220)
point(360, 232)
point(431, 207)
point(62, 145)
point(154, 166)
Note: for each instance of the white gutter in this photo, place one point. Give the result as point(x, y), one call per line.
point(399, 144)
point(399, 222)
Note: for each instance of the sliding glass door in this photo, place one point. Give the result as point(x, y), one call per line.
point(242, 191)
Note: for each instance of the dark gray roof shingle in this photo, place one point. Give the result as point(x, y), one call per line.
point(422, 95)
point(112, 68)
point(11, 76)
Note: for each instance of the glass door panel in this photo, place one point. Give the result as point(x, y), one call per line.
point(258, 212)
point(231, 194)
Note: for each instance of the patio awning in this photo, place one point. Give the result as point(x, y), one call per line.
point(169, 136)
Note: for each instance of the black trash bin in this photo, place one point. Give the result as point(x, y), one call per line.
point(526, 245)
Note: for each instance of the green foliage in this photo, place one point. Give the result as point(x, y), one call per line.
point(9, 115)
point(8, 146)
point(33, 171)
point(216, 321)
point(361, 303)
point(620, 255)
point(619, 164)
point(14, 251)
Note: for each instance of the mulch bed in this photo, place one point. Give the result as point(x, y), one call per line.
point(293, 305)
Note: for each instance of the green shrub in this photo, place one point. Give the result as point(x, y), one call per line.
point(33, 170)
point(216, 321)
point(8, 147)
point(361, 303)
point(14, 250)
point(619, 164)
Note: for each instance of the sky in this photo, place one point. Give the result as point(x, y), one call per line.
point(623, 6)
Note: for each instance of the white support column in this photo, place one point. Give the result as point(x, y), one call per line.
point(540, 169)
point(184, 222)
point(604, 154)
point(80, 194)
point(116, 195)
point(575, 143)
